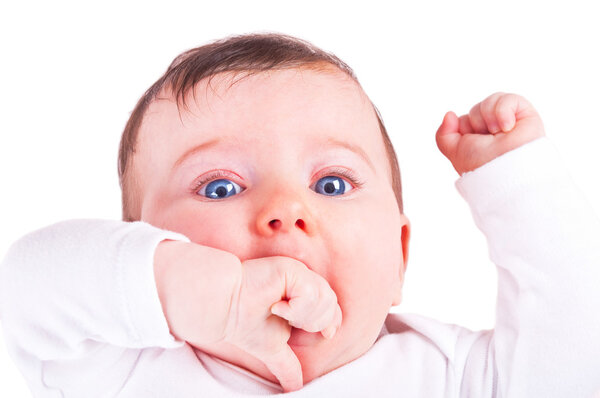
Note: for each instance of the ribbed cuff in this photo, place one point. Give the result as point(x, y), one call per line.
point(136, 264)
point(506, 176)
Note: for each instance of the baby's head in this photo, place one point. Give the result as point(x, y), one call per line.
point(265, 145)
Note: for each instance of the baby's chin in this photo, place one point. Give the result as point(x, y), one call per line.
point(317, 354)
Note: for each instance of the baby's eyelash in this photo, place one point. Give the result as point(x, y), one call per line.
point(214, 175)
point(336, 171)
point(341, 172)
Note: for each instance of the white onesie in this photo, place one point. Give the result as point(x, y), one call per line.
point(82, 317)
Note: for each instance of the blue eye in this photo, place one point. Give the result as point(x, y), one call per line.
point(332, 186)
point(219, 189)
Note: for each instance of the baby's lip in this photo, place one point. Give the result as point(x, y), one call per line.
point(298, 255)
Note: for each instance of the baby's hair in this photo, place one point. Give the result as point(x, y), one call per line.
point(250, 53)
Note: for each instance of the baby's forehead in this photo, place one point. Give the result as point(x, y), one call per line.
point(282, 109)
point(323, 100)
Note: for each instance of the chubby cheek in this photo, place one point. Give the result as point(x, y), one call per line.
point(366, 265)
point(218, 228)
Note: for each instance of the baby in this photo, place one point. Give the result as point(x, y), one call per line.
point(264, 242)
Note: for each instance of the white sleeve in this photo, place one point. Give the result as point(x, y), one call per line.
point(83, 281)
point(544, 238)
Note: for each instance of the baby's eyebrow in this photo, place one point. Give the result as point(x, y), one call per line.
point(192, 151)
point(332, 142)
point(328, 143)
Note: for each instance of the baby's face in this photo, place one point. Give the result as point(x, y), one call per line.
point(284, 145)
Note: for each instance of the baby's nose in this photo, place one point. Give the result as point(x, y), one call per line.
point(285, 214)
point(277, 224)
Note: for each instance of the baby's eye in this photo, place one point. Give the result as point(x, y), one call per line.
point(332, 186)
point(219, 189)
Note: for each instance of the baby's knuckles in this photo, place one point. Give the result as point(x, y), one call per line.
point(266, 281)
point(251, 326)
point(488, 112)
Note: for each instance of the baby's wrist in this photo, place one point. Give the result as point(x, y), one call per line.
point(187, 273)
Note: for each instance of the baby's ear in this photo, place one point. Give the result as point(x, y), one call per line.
point(405, 242)
point(397, 294)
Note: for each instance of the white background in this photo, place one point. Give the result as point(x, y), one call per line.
point(71, 73)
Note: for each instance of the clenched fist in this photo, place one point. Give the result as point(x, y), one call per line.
point(275, 294)
point(211, 299)
point(500, 123)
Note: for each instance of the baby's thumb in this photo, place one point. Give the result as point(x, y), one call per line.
point(286, 367)
point(447, 135)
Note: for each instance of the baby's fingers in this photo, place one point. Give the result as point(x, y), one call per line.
point(282, 309)
point(511, 108)
point(476, 118)
point(500, 112)
point(307, 314)
point(483, 117)
point(331, 330)
point(488, 112)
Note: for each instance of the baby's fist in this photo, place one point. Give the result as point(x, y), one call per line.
point(500, 123)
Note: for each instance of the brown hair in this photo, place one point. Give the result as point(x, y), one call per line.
point(251, 53)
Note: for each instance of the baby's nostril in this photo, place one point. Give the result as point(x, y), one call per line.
point(275, 224)
point(300, 224)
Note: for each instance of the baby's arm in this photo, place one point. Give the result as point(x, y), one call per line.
point(73, 287)
point(544, 238)
point(81, 295)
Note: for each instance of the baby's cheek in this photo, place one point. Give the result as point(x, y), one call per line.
point(206, 225)
point(364, 265)
point(373, 258)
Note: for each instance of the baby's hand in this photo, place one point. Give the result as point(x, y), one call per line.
point(277, 293)
point(500, 123)
point(209, 297)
